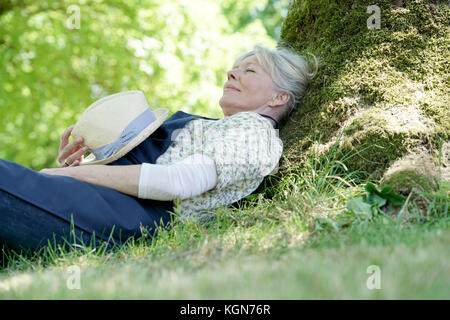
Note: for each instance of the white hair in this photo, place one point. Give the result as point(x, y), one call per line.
point(290, 72)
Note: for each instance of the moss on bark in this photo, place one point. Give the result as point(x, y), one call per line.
point(383, 92)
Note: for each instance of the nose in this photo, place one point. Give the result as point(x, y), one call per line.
point(232, 74)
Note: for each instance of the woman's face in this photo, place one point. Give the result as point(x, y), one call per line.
point(254, 84)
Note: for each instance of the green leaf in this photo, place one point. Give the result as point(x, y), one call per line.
point(394, 198)
point(376, 200)
point(359, 206)
point(370, 187)
point(387, 192)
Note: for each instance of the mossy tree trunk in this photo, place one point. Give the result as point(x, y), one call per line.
point(382, 92)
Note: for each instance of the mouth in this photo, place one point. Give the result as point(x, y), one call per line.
point(231, 88)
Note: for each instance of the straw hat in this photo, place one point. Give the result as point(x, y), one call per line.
point(114, 125)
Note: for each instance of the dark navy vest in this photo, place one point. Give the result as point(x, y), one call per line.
point(95, 208)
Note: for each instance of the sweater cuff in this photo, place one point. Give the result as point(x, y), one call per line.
point(190, 177)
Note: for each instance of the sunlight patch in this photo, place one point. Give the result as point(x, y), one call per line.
point(16, 282)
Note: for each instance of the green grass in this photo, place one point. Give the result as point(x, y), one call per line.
point(293, 241)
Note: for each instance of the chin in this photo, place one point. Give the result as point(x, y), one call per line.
point(227, 110)
point(224, 109)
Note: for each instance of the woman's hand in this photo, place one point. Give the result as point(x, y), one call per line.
point(71, 154)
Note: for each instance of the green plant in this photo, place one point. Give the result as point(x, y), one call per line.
point(370, 204)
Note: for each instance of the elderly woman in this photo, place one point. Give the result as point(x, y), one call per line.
point(208, 163)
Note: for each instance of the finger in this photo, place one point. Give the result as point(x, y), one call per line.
point(67, 162)
point(80, 160)
point(71, 148)
point(75, 163)
point(65, 137)
point(76, 156)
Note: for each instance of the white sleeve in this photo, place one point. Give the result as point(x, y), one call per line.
point(190, 177)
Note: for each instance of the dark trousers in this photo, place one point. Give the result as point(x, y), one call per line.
point(24, 226)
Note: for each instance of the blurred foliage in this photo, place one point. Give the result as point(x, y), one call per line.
point(176, 52)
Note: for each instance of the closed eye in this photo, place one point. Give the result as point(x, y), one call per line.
point(250, 70)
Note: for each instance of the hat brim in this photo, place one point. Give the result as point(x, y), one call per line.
point(161, 115)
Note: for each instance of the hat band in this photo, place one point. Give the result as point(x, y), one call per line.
point(129, 133)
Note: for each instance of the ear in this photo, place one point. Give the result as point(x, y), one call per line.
point(279, 100)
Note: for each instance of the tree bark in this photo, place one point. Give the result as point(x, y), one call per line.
point(381, 94)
